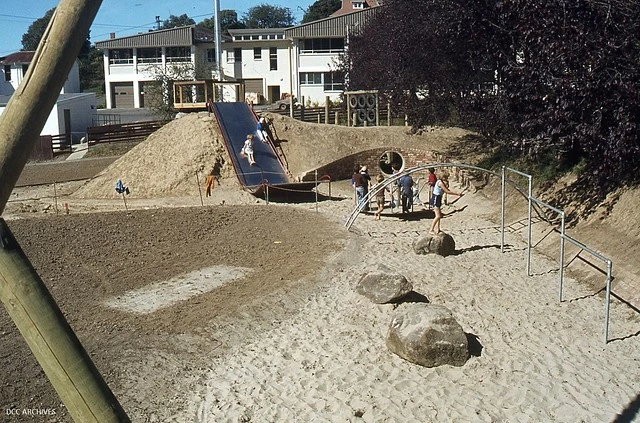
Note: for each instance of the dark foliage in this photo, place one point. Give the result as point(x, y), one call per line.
point(35, 32)
point(266, 16)
point(174, 21)
point(32, 37)
point(228, 20)
point(91, 62)
point(554, 78)
point(321, 9)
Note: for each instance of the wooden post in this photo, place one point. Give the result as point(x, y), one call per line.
point(23, 293)
point(55, 196)
point(199, 189)
point(337, 118)
point(326, 109)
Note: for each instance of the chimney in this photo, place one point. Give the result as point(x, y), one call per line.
point(112, 35)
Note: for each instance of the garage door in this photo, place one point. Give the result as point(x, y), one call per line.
point(122, 95)
point(253, 90)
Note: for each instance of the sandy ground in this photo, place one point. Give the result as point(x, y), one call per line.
point(270, 328)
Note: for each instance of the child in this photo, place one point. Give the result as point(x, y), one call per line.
point(441, 187)
point(248, 149)
point(209, 183)
point(380, 198)
point(432, 179)
point(261, 130)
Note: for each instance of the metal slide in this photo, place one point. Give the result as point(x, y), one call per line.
point(236, 121)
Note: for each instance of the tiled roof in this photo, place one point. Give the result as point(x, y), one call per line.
point(18, 57)
point(347, 6)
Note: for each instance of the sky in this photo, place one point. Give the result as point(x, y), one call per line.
point(125, 17)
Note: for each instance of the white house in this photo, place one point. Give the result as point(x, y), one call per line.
point(272, 63)
point(14, 68)
point(73, 111)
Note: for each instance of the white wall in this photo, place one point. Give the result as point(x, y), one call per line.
point(82, 106)
point(71, 85)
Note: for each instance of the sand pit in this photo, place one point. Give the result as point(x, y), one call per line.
point(292, 340)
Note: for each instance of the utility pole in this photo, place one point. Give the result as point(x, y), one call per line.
point(218, 42)
point(23, 293)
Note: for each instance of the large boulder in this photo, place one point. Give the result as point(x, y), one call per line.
point(383, 285)
point(441, 244)
point(427, 335)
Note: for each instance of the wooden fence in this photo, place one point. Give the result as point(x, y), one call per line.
point(48, 146)
point(318, 115)
point(122, 132)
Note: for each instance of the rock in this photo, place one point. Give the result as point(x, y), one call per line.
point(427, 335)
point(441, 244)
point(383, 285)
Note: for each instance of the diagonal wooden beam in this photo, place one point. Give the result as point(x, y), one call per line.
point(23, 293)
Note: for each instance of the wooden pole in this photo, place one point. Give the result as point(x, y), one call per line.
point(199, 189)
point(326, 109)
point(22, 291)
point(55, 196)
point(27, 110)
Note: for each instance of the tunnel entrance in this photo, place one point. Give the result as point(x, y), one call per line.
point(390, 161)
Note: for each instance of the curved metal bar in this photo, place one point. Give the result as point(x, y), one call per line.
point(392, 179)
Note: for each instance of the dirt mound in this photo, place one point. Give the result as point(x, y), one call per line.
point(165, 165)
point(308, 146)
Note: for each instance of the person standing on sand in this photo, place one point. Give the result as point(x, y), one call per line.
point(431, 180)
point(440, 187)
point(248, 149)
point(406, 192)
point(209, 183)
point(360, 181)
point(380, 198)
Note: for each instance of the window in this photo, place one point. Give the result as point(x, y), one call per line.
point(178, 54)
point(121, 56)
point(25, 68)
point(7, 72)
point(150, 55)
point(310, 78)
point(357, 5)
point(211, 55)
point(273, 58)
point(257, 53)
point(331, 81)
point(234, 55)
point(323, 45)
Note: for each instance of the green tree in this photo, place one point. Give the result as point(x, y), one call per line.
point(91, 65)
point(555, 80)
point(175, 21)
point(321, 9)
point(35, 32)
point(228, 20)
point(32, 37)
point(265, 16)
point(92, 72)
